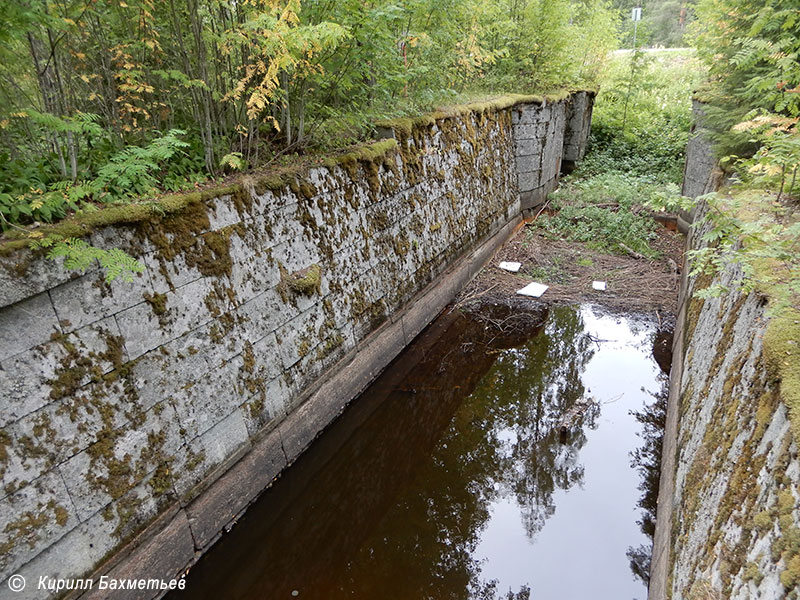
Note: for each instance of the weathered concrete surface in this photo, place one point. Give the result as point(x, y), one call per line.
point(262, 311)
point(579, 122)
point(660, 560)
point(701, 173)
point(729, 509)
point(545, 136)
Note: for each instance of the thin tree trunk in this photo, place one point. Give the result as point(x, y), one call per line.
point(208, 138)
point(47, 91)
point(286, 115)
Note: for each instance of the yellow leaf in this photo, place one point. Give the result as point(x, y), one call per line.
point(35, 234)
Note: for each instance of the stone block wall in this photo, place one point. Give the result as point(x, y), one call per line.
point(139, 419)
point(550, 139)
point(579, 122)
point(701, 174)
point(733, 505)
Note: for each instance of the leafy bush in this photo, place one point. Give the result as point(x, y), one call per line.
point(131, 172)
point(749, 228)
point(605, 212)
point(642, 116)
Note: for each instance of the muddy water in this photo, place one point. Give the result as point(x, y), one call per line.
point(450, 477)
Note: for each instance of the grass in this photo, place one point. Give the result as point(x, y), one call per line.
point(607, 212)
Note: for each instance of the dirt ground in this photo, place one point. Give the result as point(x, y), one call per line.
point(633, 284)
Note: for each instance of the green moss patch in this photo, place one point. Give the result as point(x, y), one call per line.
point(405, 125)
point(305, 281)
point(782, 352)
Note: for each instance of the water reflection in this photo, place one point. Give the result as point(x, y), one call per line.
point(647, 460)
point(447, 479)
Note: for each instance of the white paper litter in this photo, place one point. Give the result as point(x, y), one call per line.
point(510, 266)
point(599, 285)
point(533, 289)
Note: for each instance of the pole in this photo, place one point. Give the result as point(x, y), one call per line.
point(636, 15)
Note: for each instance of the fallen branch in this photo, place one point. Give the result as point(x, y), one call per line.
point(630, 251)
point(471, 297)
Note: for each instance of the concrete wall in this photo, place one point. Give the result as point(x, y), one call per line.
point(544, 139)
point(701, 174)
point(139, 419)
point(728, 524)
point(735, 522)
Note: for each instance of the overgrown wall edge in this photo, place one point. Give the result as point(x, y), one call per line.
point(728, 523)
point(147, 416)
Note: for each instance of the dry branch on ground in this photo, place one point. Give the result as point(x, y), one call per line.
point(633, 284)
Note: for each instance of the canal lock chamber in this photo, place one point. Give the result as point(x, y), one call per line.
point(511, 451)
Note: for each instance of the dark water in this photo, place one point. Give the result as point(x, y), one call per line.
point(447, 478)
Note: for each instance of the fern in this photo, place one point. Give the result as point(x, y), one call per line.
point(234, 161)
point(78, 256)
point(130, 172)
point(81, 123)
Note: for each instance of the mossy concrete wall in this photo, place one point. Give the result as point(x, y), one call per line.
point(548, 141)
point(701, 174)
point(140, 419)
point(729, 509)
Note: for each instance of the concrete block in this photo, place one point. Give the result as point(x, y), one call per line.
point(99, 475)
point(166, 276)
point(223, 213)
point(529, 180)
point(27, 378)
point(202, 455)
point(261, 315)
point(27, 324)
point(74, 555)
point(58, 431)
point(34, 518)
point(266, 406)
point(299, 336)
point(529, 147)
point(126, 237)
point(251, 274)
point(183, 361)
point(186, 309)
point(25, 274)
point(89, 298)
point(206, 401)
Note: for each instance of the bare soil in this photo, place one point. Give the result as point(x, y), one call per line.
point(633, 284)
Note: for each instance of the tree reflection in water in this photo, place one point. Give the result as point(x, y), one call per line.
point(647, 460)
point(391, 501)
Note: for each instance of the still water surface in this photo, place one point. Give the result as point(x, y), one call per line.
point(447, 478)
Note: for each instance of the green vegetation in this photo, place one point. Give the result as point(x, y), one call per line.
point(752, 51)
point(637, 147)
point(751, 101)
point(642, 117)
point(103, 101)
point(602, 211)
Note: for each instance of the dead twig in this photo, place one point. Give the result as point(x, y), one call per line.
point(474, 296)
point(632, 252)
